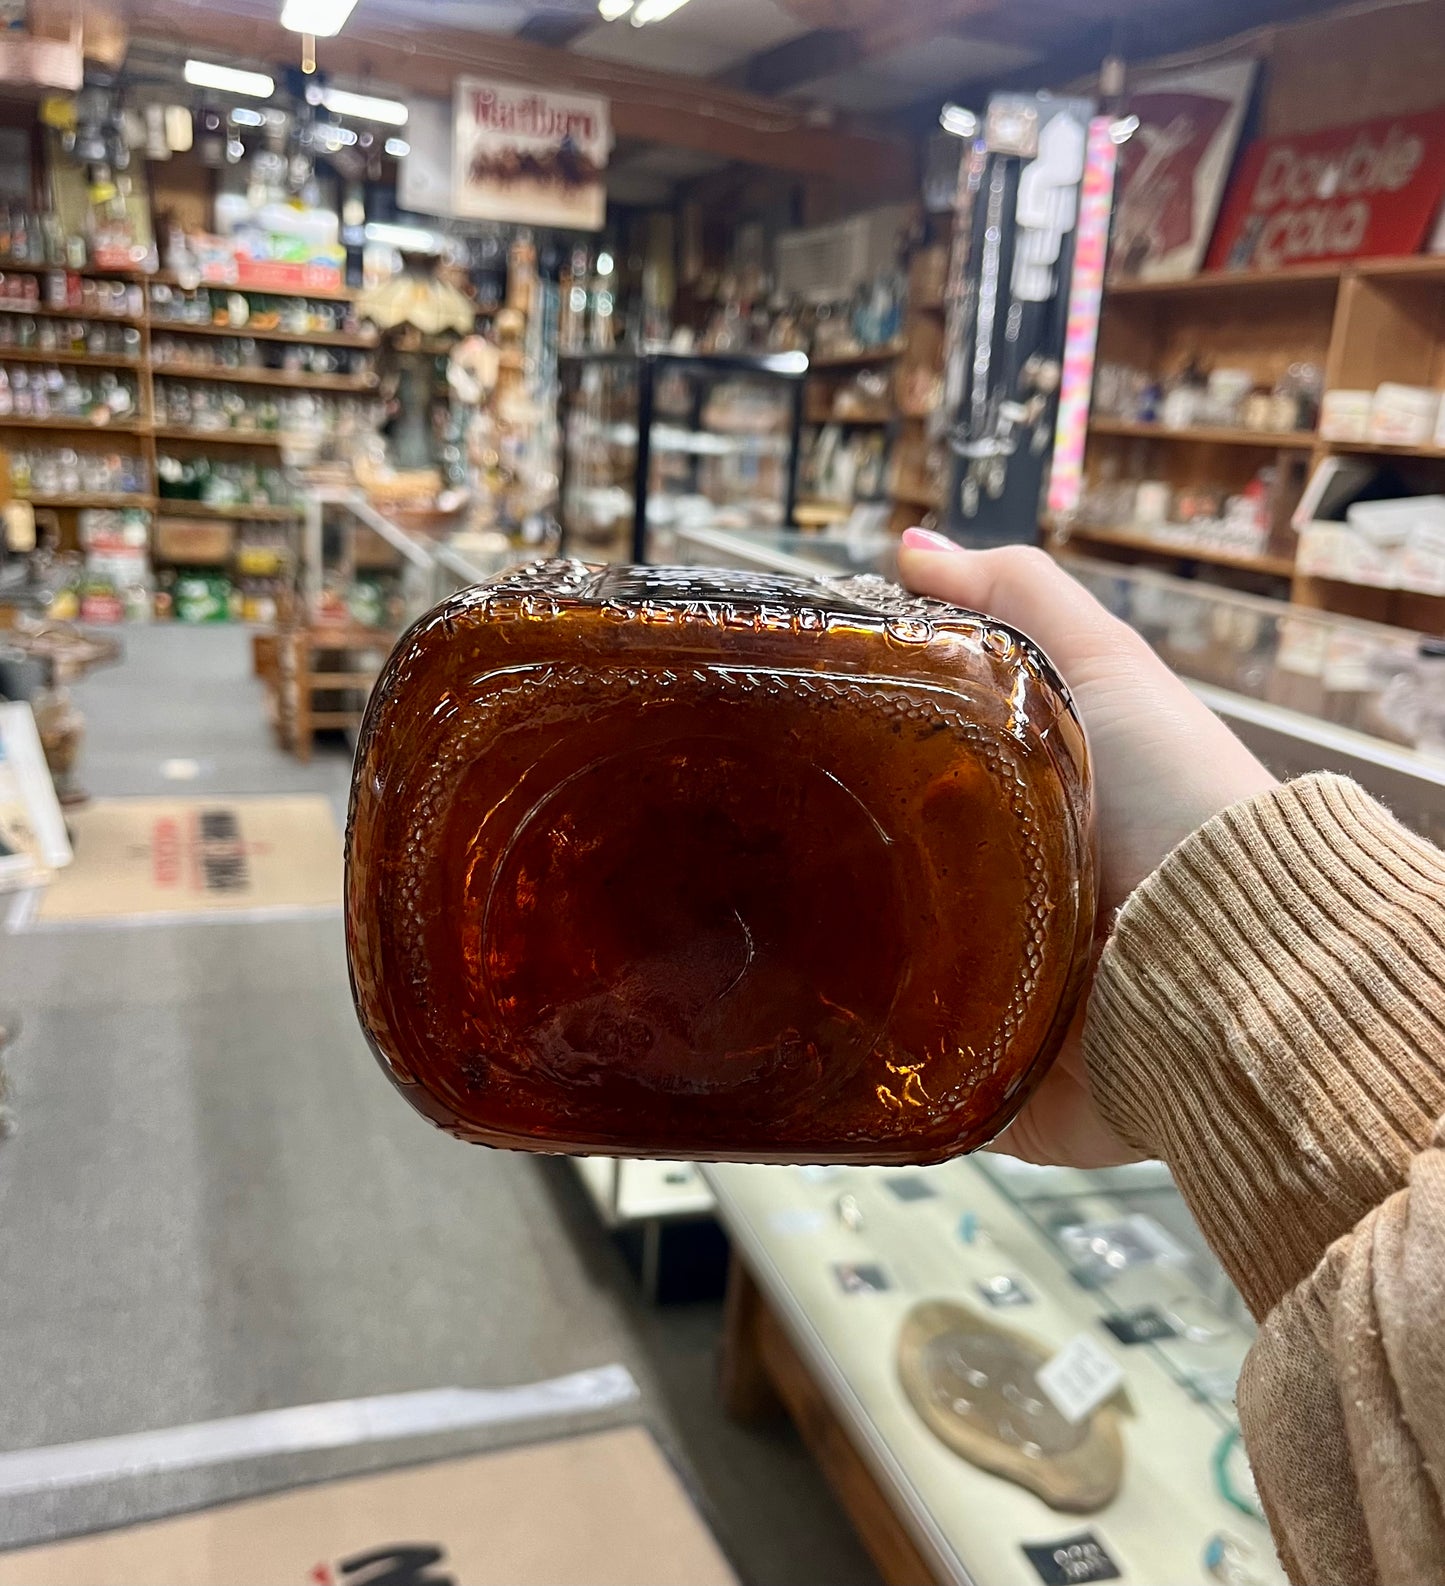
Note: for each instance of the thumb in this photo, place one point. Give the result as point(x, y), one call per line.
point(1024, 587)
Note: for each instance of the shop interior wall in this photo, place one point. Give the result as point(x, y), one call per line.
point(1352, 64)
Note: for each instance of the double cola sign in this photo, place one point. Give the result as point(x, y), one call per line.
point(1344, 193)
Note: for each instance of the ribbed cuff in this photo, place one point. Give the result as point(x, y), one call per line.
point(1268, 1018)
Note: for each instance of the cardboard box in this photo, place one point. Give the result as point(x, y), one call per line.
point(1345, 415)
point(194, 542)
point(1403, 415)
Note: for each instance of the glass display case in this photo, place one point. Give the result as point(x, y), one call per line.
point(1386, 682)
point(842, 549)
point(1306, 690)
point(654, 442)
point(1035, 1366)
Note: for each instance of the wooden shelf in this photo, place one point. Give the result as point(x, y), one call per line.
point(287, 379)
point(1386, 449)
point(1274, 566)
point(174, 506)
point(345, 294)
point(882, 421)
point(1428, 267)
point(820, 512)
point(1227, 281)
point(88, 315)
point(310, 338)
point(119, 499)
point(1214, 434)
point(915, 496)
point(223, 560)
point(857, 360)
point(97, 360)
point(87, 273)
point(222, 437)
point(81, 426)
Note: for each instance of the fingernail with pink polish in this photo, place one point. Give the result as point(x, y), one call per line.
point(927, 540)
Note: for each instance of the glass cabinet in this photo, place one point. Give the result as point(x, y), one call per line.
point(653, 443)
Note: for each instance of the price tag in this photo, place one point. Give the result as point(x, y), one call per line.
point(1071, 1560)
point(1080, 1377)
point(1142, 1326)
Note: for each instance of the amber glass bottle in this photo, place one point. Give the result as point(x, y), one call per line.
point(687, 863)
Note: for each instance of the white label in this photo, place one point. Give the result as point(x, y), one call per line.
point(795, 1220)
point(1079, 1377)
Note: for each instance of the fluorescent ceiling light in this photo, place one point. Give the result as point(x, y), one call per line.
point(244, 116)
point(654, 11)
point(409, 239)
point(610, 10)
point(322, 19)
point(399, 148)
point(206, 74)
point(365, 107)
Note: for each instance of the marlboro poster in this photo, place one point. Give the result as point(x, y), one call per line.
point(1173, 169)
point(529, 155)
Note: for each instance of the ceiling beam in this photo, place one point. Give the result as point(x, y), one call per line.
point(861, 34)
point(655, 107)
point(800, 60)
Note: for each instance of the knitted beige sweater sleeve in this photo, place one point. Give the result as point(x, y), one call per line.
point(1269, 1018)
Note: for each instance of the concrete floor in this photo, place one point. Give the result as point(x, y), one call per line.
point(216, 1204)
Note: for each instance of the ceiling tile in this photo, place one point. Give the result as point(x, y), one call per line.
point(888, 81)
point(704, 37)
point(478, 16)
point(655, 48)
point(859, 89)
point(949, 59)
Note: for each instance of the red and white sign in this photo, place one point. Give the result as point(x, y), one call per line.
point(527, 155)
point(1357, 192)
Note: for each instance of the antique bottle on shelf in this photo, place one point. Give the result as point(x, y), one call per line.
point(689, 863)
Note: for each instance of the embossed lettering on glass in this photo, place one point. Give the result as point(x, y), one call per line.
point(688, 863)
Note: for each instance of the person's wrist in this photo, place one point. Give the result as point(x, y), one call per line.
point(1259, 1021)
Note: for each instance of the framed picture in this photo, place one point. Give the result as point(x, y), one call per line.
point(1173, 170)
point(529, 155)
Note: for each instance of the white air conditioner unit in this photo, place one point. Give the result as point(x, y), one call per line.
point(824, 264)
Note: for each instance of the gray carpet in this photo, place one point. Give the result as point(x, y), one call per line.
point(216, 1204)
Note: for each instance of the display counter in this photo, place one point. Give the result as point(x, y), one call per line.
point(1306, 690)
point(834, 1267)
point(656, 442)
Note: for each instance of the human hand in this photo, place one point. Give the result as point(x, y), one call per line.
point(1163, 764)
